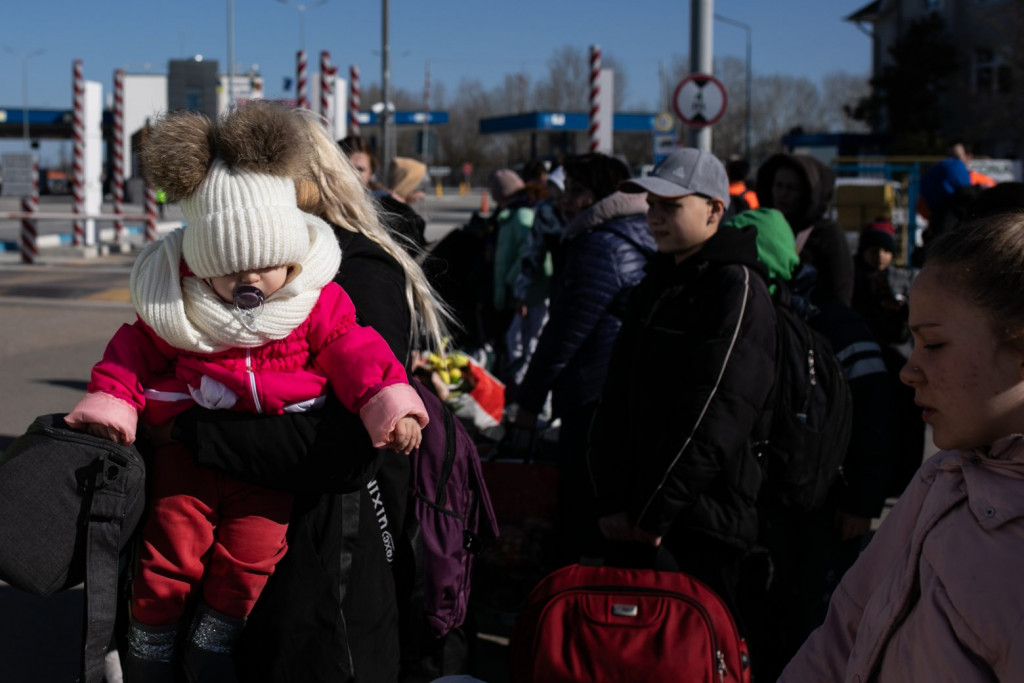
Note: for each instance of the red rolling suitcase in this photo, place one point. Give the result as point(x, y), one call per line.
point(606, 624)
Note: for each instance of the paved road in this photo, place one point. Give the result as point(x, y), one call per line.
point(56, 316)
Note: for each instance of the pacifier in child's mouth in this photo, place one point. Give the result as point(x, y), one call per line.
point(248, 302)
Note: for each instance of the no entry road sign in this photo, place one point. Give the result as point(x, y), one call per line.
point(699, 100)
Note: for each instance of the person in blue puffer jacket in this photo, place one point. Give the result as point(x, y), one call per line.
point(606, 246)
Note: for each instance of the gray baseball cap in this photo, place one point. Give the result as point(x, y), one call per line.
point(685, 171)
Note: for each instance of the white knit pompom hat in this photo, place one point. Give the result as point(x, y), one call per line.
point(241, 220)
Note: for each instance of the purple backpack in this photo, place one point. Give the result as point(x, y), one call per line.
point(450, 501)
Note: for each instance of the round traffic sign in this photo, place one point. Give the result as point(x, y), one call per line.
point(699, 100)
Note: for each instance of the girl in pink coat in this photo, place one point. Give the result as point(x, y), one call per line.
point(937, 594)
point(237, 311)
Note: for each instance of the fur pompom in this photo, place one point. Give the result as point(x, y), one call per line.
point(261, 137)
point(178, 152)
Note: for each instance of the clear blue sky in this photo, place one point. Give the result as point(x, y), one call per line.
point(473, 39)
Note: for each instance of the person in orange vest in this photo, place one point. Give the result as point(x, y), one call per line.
point(741, 196)
point(963, 151)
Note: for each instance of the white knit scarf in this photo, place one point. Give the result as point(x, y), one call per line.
point(187, 314)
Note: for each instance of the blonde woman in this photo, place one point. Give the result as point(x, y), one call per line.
point(331, 609)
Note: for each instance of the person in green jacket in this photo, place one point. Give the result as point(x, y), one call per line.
point(514, 219)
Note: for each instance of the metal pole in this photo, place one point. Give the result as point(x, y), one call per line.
point(425, 147)
point(385, 69)
point(302, 17)
point(701, 57)
point(24, 57)
point(24, 102)
point(750, 102)
point(231, 54)
point(749, 84)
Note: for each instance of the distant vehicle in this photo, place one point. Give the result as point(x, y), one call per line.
point(54, 182)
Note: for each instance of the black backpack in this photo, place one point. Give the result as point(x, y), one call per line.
point(69, 504)
point(802, 436)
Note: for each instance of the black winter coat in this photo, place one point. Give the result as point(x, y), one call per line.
point(689, 377)
point(606, 249)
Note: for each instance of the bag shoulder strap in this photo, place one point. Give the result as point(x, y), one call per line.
point(102, 548)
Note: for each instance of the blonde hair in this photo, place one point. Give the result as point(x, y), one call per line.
point(330, 188)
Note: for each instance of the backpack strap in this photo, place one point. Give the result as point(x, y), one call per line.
point(103, 534)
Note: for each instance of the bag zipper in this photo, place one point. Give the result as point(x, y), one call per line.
point(257, 406)
point(441, 496)
point(121, 455)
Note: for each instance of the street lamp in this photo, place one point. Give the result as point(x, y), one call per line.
point(24, 56)
point(231, 54)
point(302, 16)
point(385, 83)
point(749, 123)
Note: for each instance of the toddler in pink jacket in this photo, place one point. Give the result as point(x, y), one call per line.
point(237, 311)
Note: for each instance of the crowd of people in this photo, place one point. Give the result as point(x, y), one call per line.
point(658, 358)
point(268, 375)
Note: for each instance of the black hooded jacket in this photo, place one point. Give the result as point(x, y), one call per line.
point(826, 248)
point(689, 376)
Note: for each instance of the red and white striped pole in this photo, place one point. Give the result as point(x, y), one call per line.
point(595, 90)
point(353, 100)
point(150, 212)
point(118, 184)
point(30, 204)
point(78, 165)
point(301, 94)
point(327, 87)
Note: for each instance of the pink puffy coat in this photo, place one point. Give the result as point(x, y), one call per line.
point(142, 374)
point(938, 594)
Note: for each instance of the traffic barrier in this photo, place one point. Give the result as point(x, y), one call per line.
point(30, 243)
point(151, 210)
point(595, 90)
point(353, 100)
point(118, 182)
point(327, 73)
point(30, 204)
point(301, 94)
point(485, 202)
point(78, 164)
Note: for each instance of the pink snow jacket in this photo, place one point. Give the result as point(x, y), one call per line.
point(140, 373)
point(938, 594)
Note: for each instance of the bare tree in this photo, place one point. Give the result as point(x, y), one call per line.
point(567, 87)
point(729, 136)
point(840, 93)
point(782, 104)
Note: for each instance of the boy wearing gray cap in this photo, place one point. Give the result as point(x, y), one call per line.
point(670, 458)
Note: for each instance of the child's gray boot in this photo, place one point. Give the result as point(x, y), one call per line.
point(150, 654)
point(207, 654)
